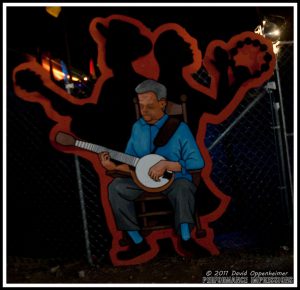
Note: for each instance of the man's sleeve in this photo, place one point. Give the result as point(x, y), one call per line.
point(130, 145)
point(191, 157)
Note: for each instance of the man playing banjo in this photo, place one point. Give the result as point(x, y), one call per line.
point(181, 154)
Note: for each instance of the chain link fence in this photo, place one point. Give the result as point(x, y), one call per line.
point(50, 216)
point(47, 216)
point(252, 153)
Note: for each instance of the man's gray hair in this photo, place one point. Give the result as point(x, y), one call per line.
point(152, 86)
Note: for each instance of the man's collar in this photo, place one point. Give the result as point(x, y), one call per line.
point(158, 124)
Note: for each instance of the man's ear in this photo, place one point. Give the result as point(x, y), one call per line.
point(163, 103)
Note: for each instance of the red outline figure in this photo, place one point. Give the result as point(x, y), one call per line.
point(148, 67)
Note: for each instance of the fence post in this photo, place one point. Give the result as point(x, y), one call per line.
point(276, 107)
point(83, 212)
point(284, 127)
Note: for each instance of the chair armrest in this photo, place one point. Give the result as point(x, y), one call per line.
point(117, 173)
point(196, 171)
point(196, 176)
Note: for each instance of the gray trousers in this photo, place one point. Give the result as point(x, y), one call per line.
point(123, 192)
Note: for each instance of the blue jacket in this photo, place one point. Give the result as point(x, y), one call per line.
point(181, 147)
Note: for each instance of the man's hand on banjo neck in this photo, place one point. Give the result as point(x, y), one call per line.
point(110, 165)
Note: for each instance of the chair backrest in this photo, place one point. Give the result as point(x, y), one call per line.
point(172, 109)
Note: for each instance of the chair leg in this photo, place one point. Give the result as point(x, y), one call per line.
point(200, 233)
point(125, 241)
point(143, 209)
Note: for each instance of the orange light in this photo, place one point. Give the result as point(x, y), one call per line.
point(59, 75)
point(54, 11)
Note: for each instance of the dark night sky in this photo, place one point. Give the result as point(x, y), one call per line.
point(32, 27)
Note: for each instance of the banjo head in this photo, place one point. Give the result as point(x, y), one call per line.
point(142, 170)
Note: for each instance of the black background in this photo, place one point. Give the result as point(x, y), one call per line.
point(32, 204)
point(29, 28)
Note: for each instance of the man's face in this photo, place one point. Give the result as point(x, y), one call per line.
point(151, 108)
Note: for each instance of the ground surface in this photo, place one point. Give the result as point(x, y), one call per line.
point(165, 268)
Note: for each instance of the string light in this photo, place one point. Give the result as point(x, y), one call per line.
point(271, 28)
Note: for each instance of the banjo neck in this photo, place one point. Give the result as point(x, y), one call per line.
point(118, 156)
point(142, 165)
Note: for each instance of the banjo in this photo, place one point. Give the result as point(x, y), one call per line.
point(140, 166)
